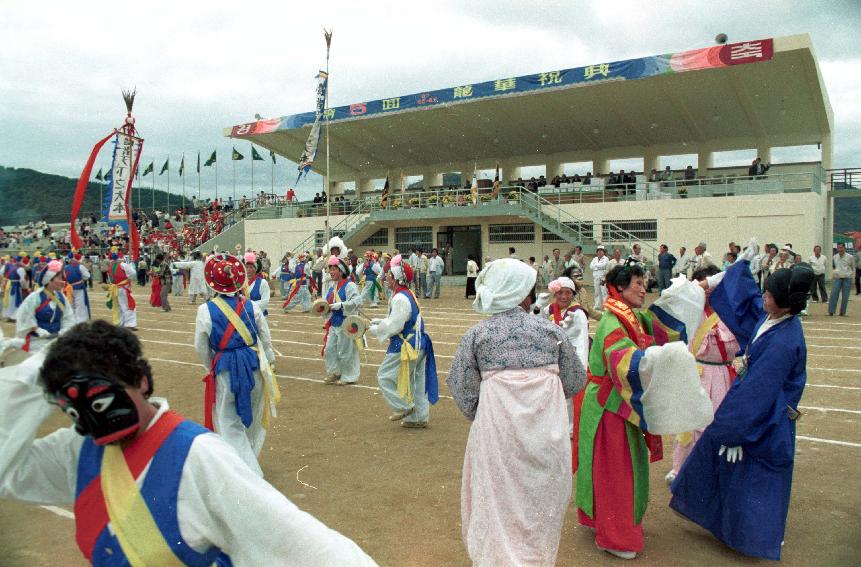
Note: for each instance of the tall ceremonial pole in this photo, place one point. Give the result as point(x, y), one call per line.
point(328, 36)
point(252, 173)
point(182, 174)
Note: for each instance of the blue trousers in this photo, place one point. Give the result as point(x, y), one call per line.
point(838, 286)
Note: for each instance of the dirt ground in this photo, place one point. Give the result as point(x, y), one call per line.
point(396, 492)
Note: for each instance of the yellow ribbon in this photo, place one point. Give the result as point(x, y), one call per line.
point(131, 520)
point(270, 391)
point(113, 302)
point(7, 293)
point(408, 355)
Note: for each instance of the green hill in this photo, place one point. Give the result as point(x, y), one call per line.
point(26, 194)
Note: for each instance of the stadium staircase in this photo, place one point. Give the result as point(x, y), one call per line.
point(228, 238)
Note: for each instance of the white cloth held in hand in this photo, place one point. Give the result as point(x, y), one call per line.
point(749, 251)
point(335, 307)
point(42, 333)
point(673, 399)
point(685, 301)
point(543, 301)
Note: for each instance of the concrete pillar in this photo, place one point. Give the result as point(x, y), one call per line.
point(466, 171)
point(705, 161)
point(553, 168)
point(827, 154)
point(651, 161)
point(600, 166)
point(763, 150)
point(365, 185)
point(431, 178)
point(508, 172)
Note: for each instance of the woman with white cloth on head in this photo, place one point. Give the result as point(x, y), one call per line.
point(511, 377)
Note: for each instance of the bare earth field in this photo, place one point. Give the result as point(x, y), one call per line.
point(396, 492)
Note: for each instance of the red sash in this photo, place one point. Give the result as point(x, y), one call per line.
point(557, 313)
point(91, 513)
point(209, 379)
point(123, 282)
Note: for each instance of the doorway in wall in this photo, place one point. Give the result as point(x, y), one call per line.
point(465, 240)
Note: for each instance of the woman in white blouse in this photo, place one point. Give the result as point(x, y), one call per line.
point(471, 274)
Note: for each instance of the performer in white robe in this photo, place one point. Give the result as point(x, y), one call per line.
point(206, 503)
point(338, 249)
point(14, 283)
point(121, 300)
point(511, 376)
point(45, 314)
point(340, 350)
point(196, 281)
point(77, 276)
point(237, 352)
point(407, 375)
point(297, 283)
point(256, 286)
point(600, 265)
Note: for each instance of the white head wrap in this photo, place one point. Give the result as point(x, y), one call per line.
point(502, 285)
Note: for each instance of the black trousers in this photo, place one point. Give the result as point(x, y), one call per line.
point(818, 281)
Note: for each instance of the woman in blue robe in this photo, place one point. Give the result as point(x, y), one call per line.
point(737, 481)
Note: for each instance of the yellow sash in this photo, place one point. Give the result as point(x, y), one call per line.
point(408, 355)
point(703, 330)
point(60, 305)
point(7, 292)
point(131, 520)
point(271, 392)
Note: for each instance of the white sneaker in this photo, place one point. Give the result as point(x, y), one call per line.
point(671, 476)
point(620, 554)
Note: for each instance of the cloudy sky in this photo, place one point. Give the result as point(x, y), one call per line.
point(202, 66)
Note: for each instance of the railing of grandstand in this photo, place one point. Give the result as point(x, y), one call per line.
point(349, 222)
point(846, 179)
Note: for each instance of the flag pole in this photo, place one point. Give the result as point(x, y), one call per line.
point(153, 190)
point(273, 176)
point(234, 177)
point(198, 175)
point(328, 36)
point(216, 177)
point(182, 164)
point(168, 186)
point(252, 173)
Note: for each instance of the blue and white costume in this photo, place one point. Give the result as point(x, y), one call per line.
point(44, 315)
point(259, 293)
point(15, 277)
point(239, 385)
point(296, 283)
point(409, 385)
point(372, 270)
point(340, 351)
point(77, 276)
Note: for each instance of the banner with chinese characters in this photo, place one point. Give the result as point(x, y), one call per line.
point(126, 150)
point(631, 69)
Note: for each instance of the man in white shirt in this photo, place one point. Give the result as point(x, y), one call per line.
point(127, 452)
point(422, 269)
point(841, 279)
point(435, 268)
point(413, 261)
point(682, 264)
point(817, 262)
point(599, 266)
point(703, 258)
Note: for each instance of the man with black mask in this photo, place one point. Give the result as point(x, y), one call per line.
point(148, 486)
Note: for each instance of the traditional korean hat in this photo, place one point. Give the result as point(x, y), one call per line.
point(224, 273)
point(335, 261)
point(47, 273)
point(401, 270)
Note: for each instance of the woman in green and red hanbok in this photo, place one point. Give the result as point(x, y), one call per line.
point(620, 424)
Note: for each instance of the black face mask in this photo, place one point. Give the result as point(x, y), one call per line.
point(100, 408)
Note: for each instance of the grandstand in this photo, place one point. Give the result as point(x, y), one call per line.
point(754, 95)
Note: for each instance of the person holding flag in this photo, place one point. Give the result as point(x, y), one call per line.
point(407, 375)
point(76, 277)
point(46, 313)
point(14, 280)
point(233, 342)
point(120, 301)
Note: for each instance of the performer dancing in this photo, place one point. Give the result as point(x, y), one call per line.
point(511, 376)
point(299, 284)
point(340, 351)
point(715, 348)
point(371, 271)
point(45, 313)
point(148, 486)
point(232, 339)
point(197, 281)
point(155, 295)
point(407, 375)
point(77, 275)
point(736, 482)
point(121, 302)
point(14, 279)
point(256, 286)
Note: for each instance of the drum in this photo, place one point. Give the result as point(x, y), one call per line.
point(355, 326)
point(320, 307)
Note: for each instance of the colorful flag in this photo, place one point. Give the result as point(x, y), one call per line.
point(165, 166)
point(182, 166)
point(211, 160)
point(236, 155)
point(254, 155)
point(272, 155)
point(306, 160)
point(384, 200)
point(148, 169)
point(99, 175)
point(496, 182)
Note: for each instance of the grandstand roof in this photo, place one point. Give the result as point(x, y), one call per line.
point(735, 96)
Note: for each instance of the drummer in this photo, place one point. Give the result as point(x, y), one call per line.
point(341, 351)
point(407, 376)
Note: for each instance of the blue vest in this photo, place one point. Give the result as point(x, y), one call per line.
point(299, 273)
point(336, 318)
point(254, 292)
point(48, 318)
point(409, 328)
point(74, 276)
point(237, 359)
point(160, 490)
point(369, 272)
point(286, 274)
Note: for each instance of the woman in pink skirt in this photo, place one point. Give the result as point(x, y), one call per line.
point(715, 348)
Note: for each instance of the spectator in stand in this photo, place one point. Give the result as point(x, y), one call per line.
point(576, 178)
point(666, 176)
point(666, 263)
point(588, 179)
point(556, 181)
point(844, 270)
point(541, 181)
point(690, 175)
point(291, 195)
point(758, 169)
